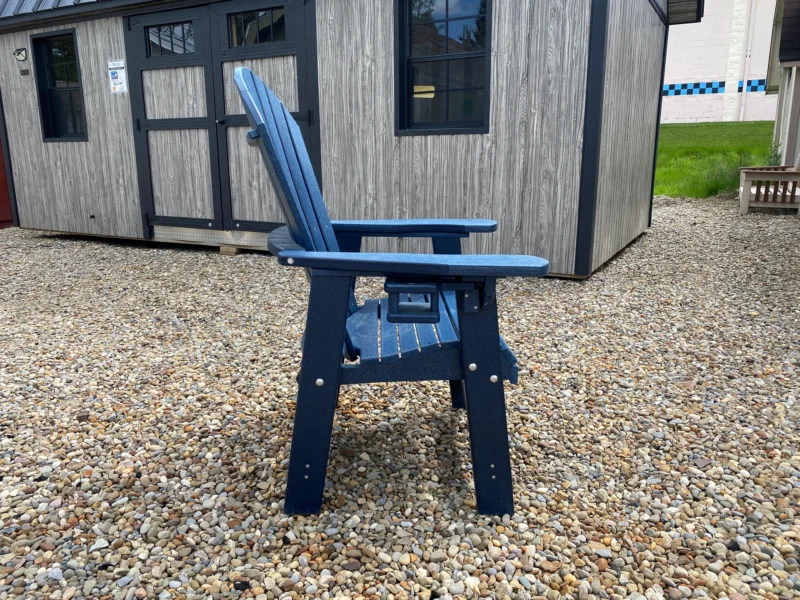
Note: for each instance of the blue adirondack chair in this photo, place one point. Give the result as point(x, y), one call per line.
point(438, 321)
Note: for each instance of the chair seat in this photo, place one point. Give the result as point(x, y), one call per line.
point(375, 340)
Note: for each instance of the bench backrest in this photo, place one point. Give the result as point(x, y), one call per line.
point(284, 152)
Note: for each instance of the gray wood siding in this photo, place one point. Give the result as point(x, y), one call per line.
point(180, 167)
point(252, 195)
point(174, 93)
point(59, 186)
point(278, 72)
point(630, 110)
point(525, 173)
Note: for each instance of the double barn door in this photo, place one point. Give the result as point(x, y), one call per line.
point(195, 168)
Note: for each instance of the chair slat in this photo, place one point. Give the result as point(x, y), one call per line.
point(448, 327)
point(389, 351)
point(758, 191)
point(426, 332)
point(362, 328)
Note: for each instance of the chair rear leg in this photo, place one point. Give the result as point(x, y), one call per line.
point(457, 394)
point(486, 408)
point(318, 394)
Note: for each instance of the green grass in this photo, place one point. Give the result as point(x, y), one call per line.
point(698, 160)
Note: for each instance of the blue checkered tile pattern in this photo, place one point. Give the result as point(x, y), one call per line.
point(693, 89)
point(754, 85)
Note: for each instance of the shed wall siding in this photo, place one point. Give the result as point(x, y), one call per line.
point(60, 185)
point(633, 62)
point(525, 173)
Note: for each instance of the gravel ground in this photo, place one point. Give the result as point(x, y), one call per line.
point(147, 395)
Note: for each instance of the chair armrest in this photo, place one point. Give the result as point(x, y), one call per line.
point(415, 227)
point(431, 265)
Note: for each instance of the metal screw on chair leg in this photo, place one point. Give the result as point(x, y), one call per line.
point(493, 378)
point(290, 261)
point(320, 383)
point(473, 367)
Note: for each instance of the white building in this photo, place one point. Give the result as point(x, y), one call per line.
point(716, 70)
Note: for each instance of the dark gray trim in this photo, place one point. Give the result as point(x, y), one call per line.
point(263, 226)
point(182, 222)
point(401, 79)
point(42, 94)
point(592, 137)
point(658, 124)
point(661, 14)
point(12, 196)
point(78, 12)
point(307, 63)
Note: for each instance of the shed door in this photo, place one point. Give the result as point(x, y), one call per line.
point(172, 95)
point(195, 167)
point(267, 37)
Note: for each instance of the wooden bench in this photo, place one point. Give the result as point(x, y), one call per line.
point(769, 187)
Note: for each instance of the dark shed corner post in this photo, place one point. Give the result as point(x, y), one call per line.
point(592, 137)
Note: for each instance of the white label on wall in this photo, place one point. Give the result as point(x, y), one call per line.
point(117, 76)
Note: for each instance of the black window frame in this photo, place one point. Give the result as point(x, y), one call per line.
point(39, 45)
point(403, 81)
point(271, 10)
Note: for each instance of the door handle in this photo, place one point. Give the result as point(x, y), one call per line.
point(220, 121)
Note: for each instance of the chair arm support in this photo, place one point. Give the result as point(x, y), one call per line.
point(415, 227)
point(409, 265)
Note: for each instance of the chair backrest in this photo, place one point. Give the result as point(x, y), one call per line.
point(284, 152)
point(797, 164)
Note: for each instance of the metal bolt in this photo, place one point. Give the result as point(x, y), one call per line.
point(238, 225)
point(493, 477)
point(320, 383)
point(473, 367)
point(210, 224)
point(290, 261)
point(309, 466)
point(491, 466)
point(493, 378)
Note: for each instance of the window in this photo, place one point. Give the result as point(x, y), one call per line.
point(443, 76)
point(167, 40)
point(58, 80)
point(257, 27)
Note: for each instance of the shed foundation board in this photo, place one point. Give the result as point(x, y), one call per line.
point(525, 172)
point(80, 187)
point(242, 239)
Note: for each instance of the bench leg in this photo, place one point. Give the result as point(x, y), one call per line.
point(457, 394)
point(486, 408)
point(744, 196)
point(318, 394)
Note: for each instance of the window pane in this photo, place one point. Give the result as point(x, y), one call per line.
point(427, 109)
point(467, 73)
point(429, 77)
point(79, 123)
point(72, 74)
point(264, 26)
point(250, 20)
point(68, 46)
point(59, 72)
point(467, 8)
point(466, 106)
point(279, 25)
point(466, 35)
point(428, 40)
point(236, 27)
point(423, 11)
point(60, 113)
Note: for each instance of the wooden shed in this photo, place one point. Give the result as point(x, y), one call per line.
point(119, 117)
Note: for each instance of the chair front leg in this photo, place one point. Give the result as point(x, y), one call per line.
point(318, 392)
point(486, 406)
